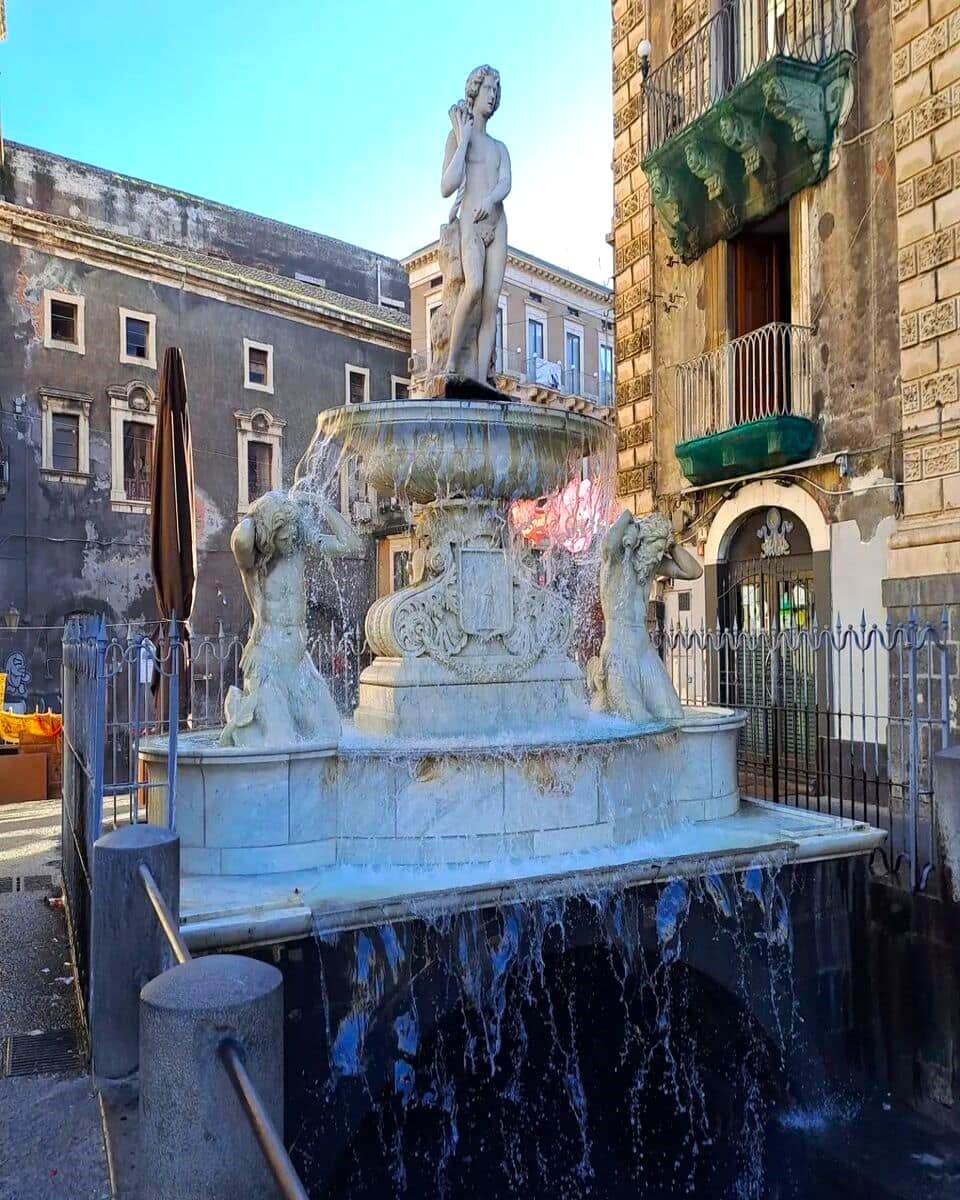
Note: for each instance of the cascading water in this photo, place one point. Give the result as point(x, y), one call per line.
point(623, 1041)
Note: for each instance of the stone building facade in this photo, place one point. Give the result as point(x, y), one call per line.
point(99, 274)
point(756, 187)
point(924, 560)
point(554, 332)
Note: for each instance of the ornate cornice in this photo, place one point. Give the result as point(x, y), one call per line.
point(25, 227)
point(428, 255)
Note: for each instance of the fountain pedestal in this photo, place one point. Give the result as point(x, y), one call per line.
point(475, 644)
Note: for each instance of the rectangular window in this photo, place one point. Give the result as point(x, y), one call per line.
point(64, 321)
point(356, 386)
point(573, 380)
point(401, 388)
point(401, 569)
point(534, 338)
point(136, 338)
point(606, 373)
point(259, 469)
point(683, 601)
point(65, 447)
point(137, 459)
point(257, 367)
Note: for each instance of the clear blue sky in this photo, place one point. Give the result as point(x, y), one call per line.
point(325, 113)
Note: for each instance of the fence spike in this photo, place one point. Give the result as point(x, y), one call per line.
point(863, 620)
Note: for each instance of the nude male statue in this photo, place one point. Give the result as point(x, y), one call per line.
point(284, 697)
point(477, 168)
point(628, 678)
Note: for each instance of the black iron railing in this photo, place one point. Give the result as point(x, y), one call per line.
point(729, 48)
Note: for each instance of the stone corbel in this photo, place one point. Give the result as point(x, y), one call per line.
point(741, 133)
point(711, 163)
point(797, 103)
point(681, 231)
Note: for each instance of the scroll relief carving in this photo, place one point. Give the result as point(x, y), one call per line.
point(474, 607)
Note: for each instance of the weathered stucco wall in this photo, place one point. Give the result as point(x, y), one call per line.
point(66, 188)
point(62, 546)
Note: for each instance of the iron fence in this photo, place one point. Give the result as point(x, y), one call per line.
point(844, 720)
point(840, 720)
point(121, 684)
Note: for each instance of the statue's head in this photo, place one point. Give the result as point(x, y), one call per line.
point(482, 90)
point(276, 525)
point(648, 538)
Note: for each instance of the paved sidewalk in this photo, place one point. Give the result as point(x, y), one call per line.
point(50, 1130)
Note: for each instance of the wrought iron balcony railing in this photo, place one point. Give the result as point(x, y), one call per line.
point(543, 373)
point(766, 373)
point(729, 48)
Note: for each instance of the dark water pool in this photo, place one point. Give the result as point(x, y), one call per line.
point(657, 1042)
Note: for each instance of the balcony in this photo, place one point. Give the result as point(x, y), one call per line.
point(543, 376)
point(746, 406)
point(744, 115)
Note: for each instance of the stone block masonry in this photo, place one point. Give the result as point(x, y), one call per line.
point(926, 70)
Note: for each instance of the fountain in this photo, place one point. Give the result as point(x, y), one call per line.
point(476, 748)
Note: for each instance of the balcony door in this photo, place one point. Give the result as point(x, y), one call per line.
point(759, 364)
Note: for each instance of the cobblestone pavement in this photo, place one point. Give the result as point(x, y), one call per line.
point(50, 1126)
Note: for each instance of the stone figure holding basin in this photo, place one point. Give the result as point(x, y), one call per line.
point(284, 697)
point(628, 678)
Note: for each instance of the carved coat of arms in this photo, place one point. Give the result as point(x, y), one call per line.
point(485, 592)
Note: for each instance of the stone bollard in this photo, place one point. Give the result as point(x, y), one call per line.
point(196, 1142)
point(127, 946)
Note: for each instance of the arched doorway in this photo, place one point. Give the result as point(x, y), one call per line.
point(766, 582)
point(767, 598)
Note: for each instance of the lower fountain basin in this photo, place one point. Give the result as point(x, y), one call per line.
point(377, 801)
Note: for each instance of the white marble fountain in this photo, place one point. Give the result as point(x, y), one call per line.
point(473, 740)
point(477, 749)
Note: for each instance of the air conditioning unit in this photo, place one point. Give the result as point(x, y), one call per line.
point(362, 510)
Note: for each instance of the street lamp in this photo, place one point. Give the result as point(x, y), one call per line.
point(643, 54)
point(11, 618)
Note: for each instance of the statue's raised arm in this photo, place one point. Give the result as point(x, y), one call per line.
point(284, 698)
point(628, 677)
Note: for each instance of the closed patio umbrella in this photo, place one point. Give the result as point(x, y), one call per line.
point(173, 551)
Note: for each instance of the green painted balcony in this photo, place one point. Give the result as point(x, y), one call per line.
point(746, 406)
point(744, 115)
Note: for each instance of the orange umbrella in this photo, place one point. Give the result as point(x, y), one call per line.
point(173, 550)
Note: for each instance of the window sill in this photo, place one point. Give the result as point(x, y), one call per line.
point(122, 504)
point(54, 476)
point(258, 387)
point(70, 347)
point(131, 360)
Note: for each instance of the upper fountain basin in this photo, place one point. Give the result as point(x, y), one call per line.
point(426, 450)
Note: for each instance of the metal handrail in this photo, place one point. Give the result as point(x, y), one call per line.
point(264, 1131)
point(765, 373)
point(168, 924)
point(231, 1055)
point(729, 48)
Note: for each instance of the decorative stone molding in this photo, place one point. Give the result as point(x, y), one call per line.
point(770, 137)
point(74, 404)
point(773, 535)
point(257, 426)
point(475, 607)
point(134, 401)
